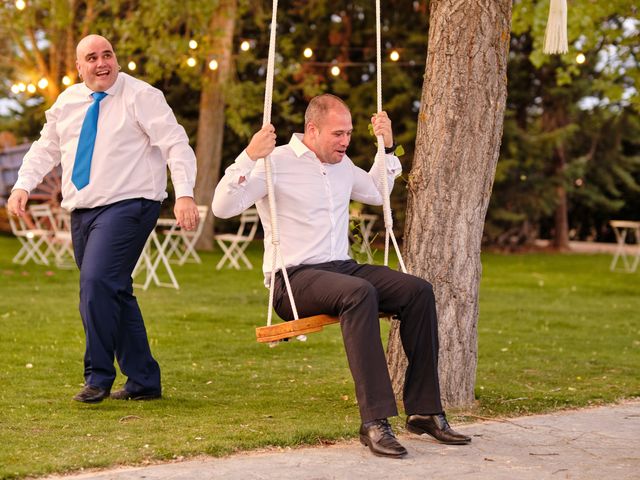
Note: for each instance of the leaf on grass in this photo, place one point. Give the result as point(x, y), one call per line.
point(129, 418)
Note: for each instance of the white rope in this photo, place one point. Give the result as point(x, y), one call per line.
point(386, 203)
point(273, 214)
point(275, 230)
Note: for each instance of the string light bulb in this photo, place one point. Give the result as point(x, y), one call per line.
point(394, 56)
point(43, 83)
point(213, 64)
point(191, 62)
point(66, 81)
point(21, 4)
point(245, 46)
point(131, 65)
point(193, 44)
point(335, 70)
point(580, 58)
point(22, 87)
point(31, 88)
point(15, 89)
point(308, 53)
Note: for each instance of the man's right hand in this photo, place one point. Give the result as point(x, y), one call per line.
point(17, 203)
point(262, 143)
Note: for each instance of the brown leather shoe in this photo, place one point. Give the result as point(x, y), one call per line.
point(125, 395)
point(436, 426)
point(90, 394)
point(378, 436)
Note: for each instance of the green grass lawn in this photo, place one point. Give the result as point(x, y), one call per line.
point(556, 331)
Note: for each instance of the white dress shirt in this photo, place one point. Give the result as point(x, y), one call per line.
point(312, 200)
point(138, 136)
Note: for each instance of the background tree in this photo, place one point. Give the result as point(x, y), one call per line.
point(457, 147)
point(560, 111)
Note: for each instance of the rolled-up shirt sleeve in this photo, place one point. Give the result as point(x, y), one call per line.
point(43, 155)
point(156, 118)
point(367, 186)
point(243, 184)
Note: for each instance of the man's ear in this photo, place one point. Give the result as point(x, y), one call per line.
point(312, 129)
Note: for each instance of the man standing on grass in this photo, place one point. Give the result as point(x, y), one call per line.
point(114, 136)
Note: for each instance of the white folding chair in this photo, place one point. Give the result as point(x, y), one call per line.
point(65, 257)
point(182, 243)
point(234, 244)
point(154, 255)
point(33, 241)
point(58, 240)
point(621, 228)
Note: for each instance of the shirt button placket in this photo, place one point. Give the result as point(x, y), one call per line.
point(327, 187)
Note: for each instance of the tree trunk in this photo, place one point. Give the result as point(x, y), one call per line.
point(457, 146)
point(211, 119)
point(555, 118)
point(561, 214)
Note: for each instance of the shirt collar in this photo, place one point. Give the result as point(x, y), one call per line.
point(297, 146)
point(117, 86)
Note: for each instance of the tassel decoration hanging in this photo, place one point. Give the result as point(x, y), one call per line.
point(555, 37)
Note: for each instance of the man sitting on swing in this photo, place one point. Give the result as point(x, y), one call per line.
point(314, 181)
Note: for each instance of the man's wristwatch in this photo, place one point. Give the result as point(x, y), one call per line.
point(390, 149)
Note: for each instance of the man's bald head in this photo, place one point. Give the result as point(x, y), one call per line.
point(320, 106)
point(97, 63)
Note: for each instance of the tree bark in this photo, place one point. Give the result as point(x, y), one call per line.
point(457, 146)
point(561, 214)
point(211, 118)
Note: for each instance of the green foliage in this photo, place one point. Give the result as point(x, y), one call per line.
point(543, 345)
point(569, 127)
point(590, 111)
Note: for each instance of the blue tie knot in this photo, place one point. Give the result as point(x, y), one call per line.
point(98, 96)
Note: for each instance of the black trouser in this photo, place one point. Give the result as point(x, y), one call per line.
point(356, 293)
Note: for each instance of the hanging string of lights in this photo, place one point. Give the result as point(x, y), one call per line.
point(334, 67)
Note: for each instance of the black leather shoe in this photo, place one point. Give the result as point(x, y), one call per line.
point(91, 394)
point(125, 395)
point(436, 426)
point(378, 436)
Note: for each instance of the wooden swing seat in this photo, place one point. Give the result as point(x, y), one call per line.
point(293, 328)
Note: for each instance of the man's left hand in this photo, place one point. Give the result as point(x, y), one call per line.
point(186, 213)
point(382, 126)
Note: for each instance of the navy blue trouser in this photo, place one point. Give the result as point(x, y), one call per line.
point(356, 293)
point(107, 242)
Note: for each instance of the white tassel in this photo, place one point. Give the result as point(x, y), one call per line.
point(555, 37)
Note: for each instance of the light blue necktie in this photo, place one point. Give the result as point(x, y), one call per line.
point(82, 163)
